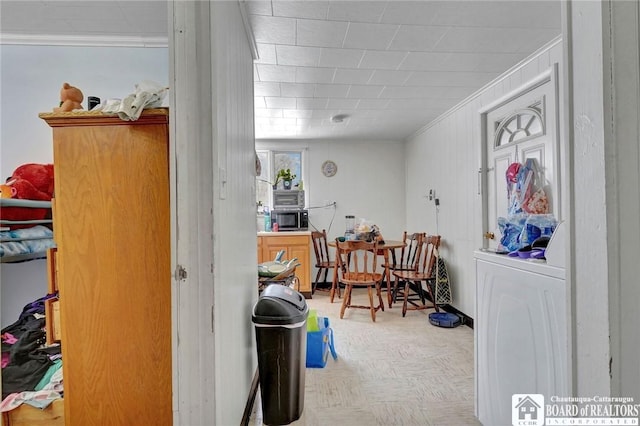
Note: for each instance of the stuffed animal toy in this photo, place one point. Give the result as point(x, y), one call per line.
point(70, 98)
point(29, 182)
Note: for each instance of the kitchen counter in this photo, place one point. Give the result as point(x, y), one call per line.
point(296, 244)
point(284, 233)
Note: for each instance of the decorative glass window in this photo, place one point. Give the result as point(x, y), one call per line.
point(521, 125)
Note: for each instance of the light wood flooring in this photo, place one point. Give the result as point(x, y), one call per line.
point(396, 371)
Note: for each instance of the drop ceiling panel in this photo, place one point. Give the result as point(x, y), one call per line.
point(298, 56)
point(308, 10)
point(352, 76)
point(275, 30)
point(355, 12)
point(320, 33)
point(391, 66)
point(369, 36)
point(340, 58)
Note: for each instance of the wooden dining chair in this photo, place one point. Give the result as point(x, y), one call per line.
point(407, 258)
point(408, 283)
point(323, 262)
point(357, 263)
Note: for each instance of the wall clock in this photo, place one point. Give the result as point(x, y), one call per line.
point(329, 168)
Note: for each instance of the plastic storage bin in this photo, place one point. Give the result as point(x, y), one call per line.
point(280, 319)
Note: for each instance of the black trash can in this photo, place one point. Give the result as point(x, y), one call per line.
point(280, 319)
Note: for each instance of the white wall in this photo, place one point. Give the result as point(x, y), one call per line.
point(445, 156)
point(213, 190)
point(604, 46)
point(30, 82)
point(31, 78)
point(369, 184)
point(235, 254)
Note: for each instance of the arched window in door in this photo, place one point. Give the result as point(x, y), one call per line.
point(520, 125)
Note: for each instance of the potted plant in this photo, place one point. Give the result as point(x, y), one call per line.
point(286, 176)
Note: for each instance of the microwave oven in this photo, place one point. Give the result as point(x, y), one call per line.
point(288, 199)
point(290, 220)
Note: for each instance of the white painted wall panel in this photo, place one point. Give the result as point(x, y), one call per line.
point(235, 255)
point(445, 157)
point(622, 114)
point(215, 205)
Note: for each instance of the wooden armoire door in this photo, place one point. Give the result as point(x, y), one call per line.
point(111, 227)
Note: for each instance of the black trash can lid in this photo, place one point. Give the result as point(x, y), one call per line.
point(280, 305)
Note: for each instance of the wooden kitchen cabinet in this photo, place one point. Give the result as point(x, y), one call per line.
point(295, 244)
point(112, 231)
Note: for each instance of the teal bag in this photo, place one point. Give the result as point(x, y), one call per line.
point(319, 344)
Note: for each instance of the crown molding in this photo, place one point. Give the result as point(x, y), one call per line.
point(84, 40)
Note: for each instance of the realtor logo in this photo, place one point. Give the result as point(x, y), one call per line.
point(527, 410)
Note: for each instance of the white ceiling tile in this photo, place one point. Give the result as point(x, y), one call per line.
point(298, 56)
point(276, 122)
point(268, 113)
point(297, 90)
point(412, 12)
point(375, 59)
point(366, 104)
point(440, 61)
point(297, 113)
point(483, 40)
point(314, 75)
point(435, 70)
point(320, 33)
point(267, 29)
point(356, 11)
point(439, 92)
point(501, 14)
point(343, 58)
point(417, 38)
point(358, 91)
point(331, 90)
point(312, 103)
point(261, 88)
point(538, 39)
point(280, 102)
point(397, 92)
point(498, 62)
point(349, 76)
point(435, 78)
point(258, 7)
point(342, 103)
point(266, 53)
point(322, 114)
point(413, 104)
point(369, 36)
point(296, 9)
point(392, 77)
point(276, 73)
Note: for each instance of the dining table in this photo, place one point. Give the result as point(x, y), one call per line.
point(384, 248)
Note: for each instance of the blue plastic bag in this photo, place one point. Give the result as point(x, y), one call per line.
point(319, 344)
point(520, 230)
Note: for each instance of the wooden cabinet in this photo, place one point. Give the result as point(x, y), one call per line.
point(111, 225)
point(295, 244)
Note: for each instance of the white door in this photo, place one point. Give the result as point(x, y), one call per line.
point(520, 127)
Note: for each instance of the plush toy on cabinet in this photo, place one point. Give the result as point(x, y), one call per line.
point(70, 98)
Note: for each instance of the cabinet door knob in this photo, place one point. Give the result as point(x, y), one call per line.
point(489, 235)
